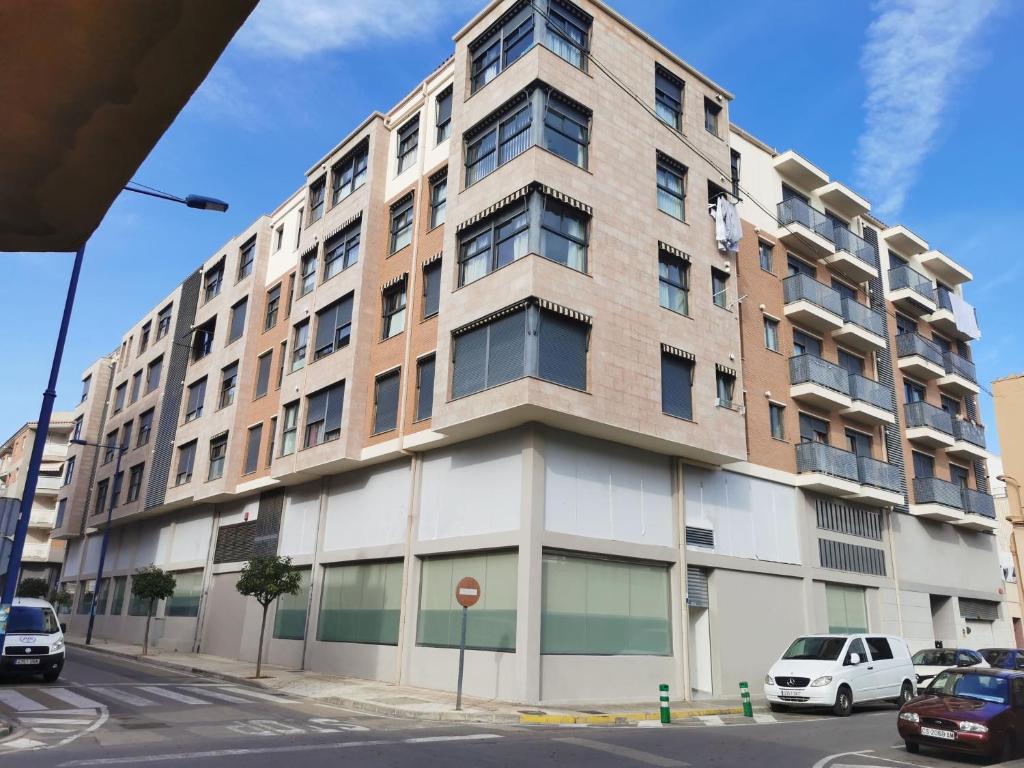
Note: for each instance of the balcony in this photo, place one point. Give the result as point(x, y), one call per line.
point(960, 376)
point(799, 170)
point(804, 227)
point(855, 258)
point(826, 469)
point(843, 200)
point(863, 329)
point(980, 511)
point(937, 500)
point(969, 442)
point(944, 321)
point(911, 291)
point(812, 304)
point(944, 268)
point(919, 357)
point(879, 483)
point(49, 485)
point(871, 403)
point(819, 383)
point(928, 425)
point(904, 241)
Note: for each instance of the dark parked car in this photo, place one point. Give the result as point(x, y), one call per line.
point(975, 710)
point(1004, 658)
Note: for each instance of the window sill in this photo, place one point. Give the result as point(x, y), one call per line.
point(384, 431)
point(679, 418)
point(393, 336)
point(394, 253)
point(516, 261)
point(675, 219)
point(674, 312)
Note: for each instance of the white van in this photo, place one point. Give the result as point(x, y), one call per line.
point(34, 643)
point(839, 671)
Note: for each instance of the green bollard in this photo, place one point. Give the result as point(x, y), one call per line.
point(748, 708)
point(666, 713)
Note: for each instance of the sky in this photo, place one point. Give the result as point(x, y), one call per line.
point(913, 103)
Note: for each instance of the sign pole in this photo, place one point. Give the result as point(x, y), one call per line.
point(467, 593)
point(462, 659)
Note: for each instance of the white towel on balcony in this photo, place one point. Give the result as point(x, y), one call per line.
point(964, 316)
point(728, 231)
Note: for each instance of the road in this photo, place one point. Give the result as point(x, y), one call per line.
point(106, 711)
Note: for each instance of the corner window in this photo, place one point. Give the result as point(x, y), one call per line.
point(444, 115)
point(566, 130)
point(385, 402)
point(401, 225)
point(408, 141)
point(349, 174)
point(677, 385)
point(333, 327)
point(497, 241)
point(431, 289)
point(499, 48)
point(568, 32)
point(564, 234)
point(764, 254)
point(186, 461)
point(228, 385)
point(316, 199)
point(218, 452)
point(438, 201)
point(712, 111)
point(246, 256)
point(771, 334)
point(323, 415)
point(776, 420)
point(289, 428)
point(668, 97)
point(673, 282)
point(720, 288)
point(424, 388)
point(393, 310)
point(342, 250)
point(495, 143)
point(237, 327)
point(671, 188)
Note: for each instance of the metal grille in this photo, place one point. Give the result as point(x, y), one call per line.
point(700, 537)
point(983, 610)
point(697, 587)
point(848, 519)
point(840, 556)
point(235, 542)
point(268, 524)
point(813, 369)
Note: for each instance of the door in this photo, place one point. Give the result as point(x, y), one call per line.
point(905, 325)
point(858, 442)
point(795, 266)
point(858, 675)
point(913, 391)
point(959, 476)
point(885, 679)
point(805, 344)
point(852, 363)
point(981, 634)
point(813, 430)
point(844, 290)
point(225, 618)
point(924, 465)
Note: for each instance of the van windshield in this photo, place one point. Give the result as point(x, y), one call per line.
point(816, 648)
point(31, 620)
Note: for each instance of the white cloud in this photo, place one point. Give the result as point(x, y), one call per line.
point(295, 29)
point(916, 53)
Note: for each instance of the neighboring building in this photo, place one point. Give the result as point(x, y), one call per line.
point(42, 556)
point(1008, 397)
point(1007, 550)
point(486, 340)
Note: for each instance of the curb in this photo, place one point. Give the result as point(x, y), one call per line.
point(623, 718)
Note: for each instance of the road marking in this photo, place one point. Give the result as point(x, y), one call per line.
point(53, 721)
point(712, 720)
point(41, 729)
point(764, 718)
point(20, 703)
point(826, 760)
point(432, 739)
point(215, 694)
point(124, 697)
point(632, 754)
point(258, 694)
point(167, 693)
point(22, 743)
point(72, 698)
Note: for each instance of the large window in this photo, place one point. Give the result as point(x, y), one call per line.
point(668, 97)
point(246, 256)
point(273, 305)
point(290, 616)
point(424, 388)
point(333, 327)
point(252, 449)
point(263, 366)
point(323, 415)
point(186, 462)
point(671, 188)
point(408, 140)
point(438, 201)
point(568, 32)
point(673, 282)
point(496, 242)
point(431, 289)
point(847, 610)
point(498, 48)
point(393, 309)
point(349, 174)
point(153, 374)
point(213, 281)
point(491, 622)
point(218, 453)
point(676, 385)
point(564, 234)
point(289, 428)
point(566, 130)
point(385, 401)
point(601, 607)
point(361, 603)
point(401, 224)
point(188, 588)
point(300, 343)
point(163, 321)
point(308, 272)
point(194, 403)
point(500, 350)
point(134, 482)
point(117, 599)
point(342, 250)
point(237, 327)
point(228, 385)
point(444, 115)
point(316, 199)
point(512, 133)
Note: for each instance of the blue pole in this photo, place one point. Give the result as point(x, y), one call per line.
point(121, 450)
point(42, 429)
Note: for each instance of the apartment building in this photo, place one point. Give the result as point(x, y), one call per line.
point(492, 335)
point(41, 557)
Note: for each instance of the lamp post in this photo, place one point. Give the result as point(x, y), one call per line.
point(199, 202)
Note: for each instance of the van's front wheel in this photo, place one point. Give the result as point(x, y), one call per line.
point(51, 675)
point(844, 702)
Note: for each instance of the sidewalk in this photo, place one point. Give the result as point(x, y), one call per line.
point(401, 701)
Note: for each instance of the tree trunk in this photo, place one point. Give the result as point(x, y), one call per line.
point(259, 652)
point(145, 637)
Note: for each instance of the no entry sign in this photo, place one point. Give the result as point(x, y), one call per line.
point(467, 592)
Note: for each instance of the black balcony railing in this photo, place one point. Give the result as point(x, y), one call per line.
point(801, 287)
point(959, 366)
point(922, 414)
point(969, 432)
point(827, 460)
point(868, 391)
point(855, 245)
point(867, 318)
point(811, 369)
point(908, 344)
point(942, 298)
point(796, 211)
point(878, 474)
point(905, 277)
point(979, 503)
point(932, 490)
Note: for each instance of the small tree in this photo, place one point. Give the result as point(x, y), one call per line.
point(62, 600)
point(152, 584)
point(33, 587)
point(266, 579)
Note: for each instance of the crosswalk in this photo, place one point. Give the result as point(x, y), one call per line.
point(29, 701)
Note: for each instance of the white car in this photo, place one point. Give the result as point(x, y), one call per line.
point(34, 643)
point(839, 671)
point(930, 661)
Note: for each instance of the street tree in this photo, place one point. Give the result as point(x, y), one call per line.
point(266, 579)
point(33, 587)
point(61, 600)
point(152, 584)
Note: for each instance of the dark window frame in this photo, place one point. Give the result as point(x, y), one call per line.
point(349, 173)
point(408, 141)
point(394, 302)
point(401, 219)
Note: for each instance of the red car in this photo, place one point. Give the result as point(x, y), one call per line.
point(974, 710)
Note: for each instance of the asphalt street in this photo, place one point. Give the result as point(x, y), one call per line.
point(106, 711)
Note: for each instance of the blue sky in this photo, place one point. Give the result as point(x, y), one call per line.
point(911, 102)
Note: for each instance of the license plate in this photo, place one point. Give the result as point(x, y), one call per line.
point(26, 661)
point(792, 692)
point(936, 733)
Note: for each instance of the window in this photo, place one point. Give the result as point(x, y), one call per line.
point(270, 441)
point(101, 496)
point(394, 310)
point(323, 415)
point(725, 387)
point(568, 30)
point(119, 394)
point(76, 433)
point(289, 426)
point(771, 334)
point(263, 366)
point(194, 403)
point(188, 589)
point(228, 385)
point(278, 238)
point(316, 199)
point(671, 188)
point(299, 343)
point(282, 355)
point(153, 374)
point(333, 327)
point(676, 386)
point(213, 280)
point(858, 443)
point(498, 49)
point(912, 391)
point(401, 225)
point(795, 266)
point(145, 428)
point(298, 228)
point(844, 290)
point(134, 482)
point(500, 350)
point(905, 325)
point(290, 616)
point(238, 320)
point(712, 111)
point(879, 647)
point(88, 595)
point(273, 304)
point(342, 250)
point(86, 383)
point(115, 495)
point(349, 174)
point(163, 322)
point(61, 511)
point(852, 363)
point(290, 296)
point(924, 465)
point(308, 272)
point(564, 234)
point(109, 446)
point(385, 402)
point(361, 603)
point(950, 406)
point(117, 600)
point(494, 143)
point(136, 386)
point(566, 130)
point(813, 430)
point(438, 201)
point(245, 259)
point(805, 344)
point(720, 288)
point(202, 339)
point(847, 610)
point(775, 418)
point(424, 388)
point(494, 620)
point(444, 115)
point(494, 243)
point(218, 451)
point(764, 251)
point(408, 140)
point(69, 470)
point(431, 288)
point(126, 436)
point(144, 337)
point(734, 171)
point(602, 607)
point(668, 97)
point(673, 282)
point(252, 449)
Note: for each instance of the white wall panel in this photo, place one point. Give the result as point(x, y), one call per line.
point(298, 525)
point(368, 508)
point(192, 537)
point(92, 554)
point(236, 512)
point(124, 557)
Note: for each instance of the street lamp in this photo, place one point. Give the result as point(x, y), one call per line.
point(199, 202)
